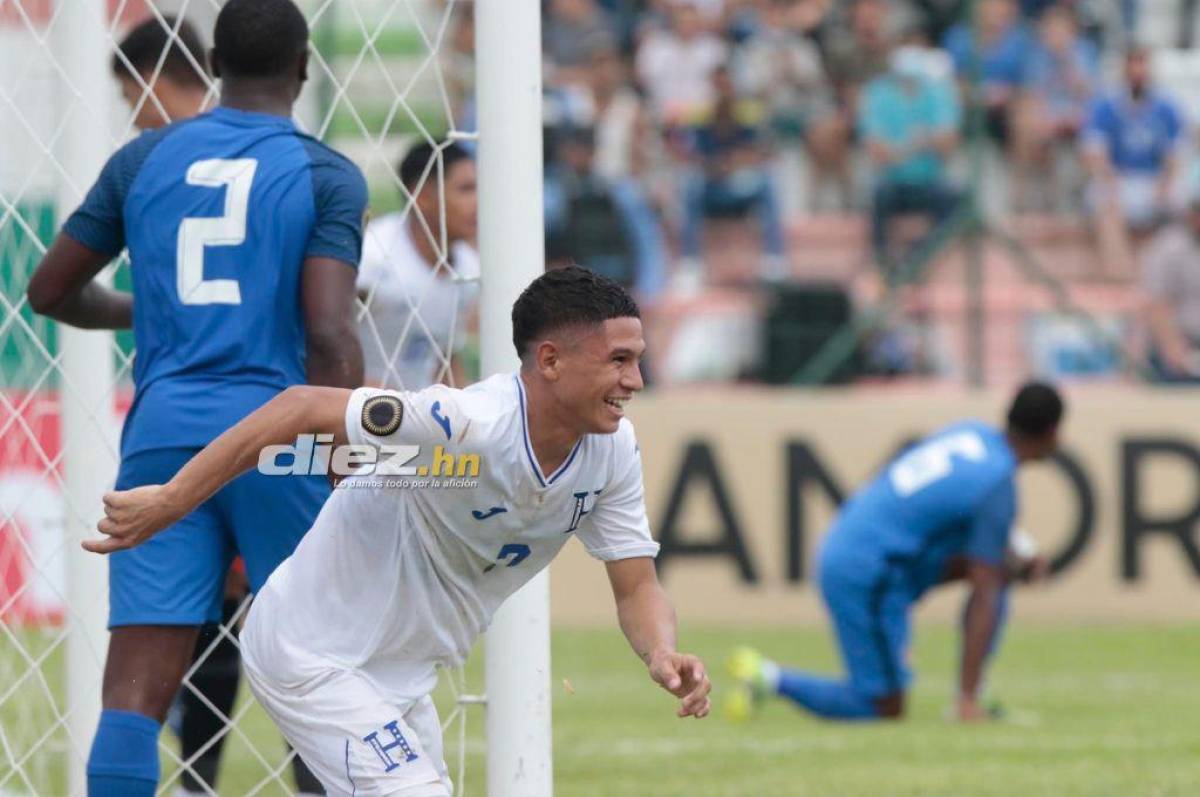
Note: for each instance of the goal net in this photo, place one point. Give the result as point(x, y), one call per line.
point(383, 75)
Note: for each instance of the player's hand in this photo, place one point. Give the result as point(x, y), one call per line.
point(683, 675)
point(133, 516)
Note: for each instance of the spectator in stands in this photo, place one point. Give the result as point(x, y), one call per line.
point(730, 180)
point(909, 122)
point(458, 65)
point(176, 90)
point(1172, 285)
point(1132, 141)
point(859, 53)
point(939, 16)
point(780, 67)
point(675, 65)
point(418, 289)
point(623, 138)
point(601, 222)
point(573, 29)
point(1002, 51)
point(1059, 81)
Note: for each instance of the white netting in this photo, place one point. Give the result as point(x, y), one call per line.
point(383, 75)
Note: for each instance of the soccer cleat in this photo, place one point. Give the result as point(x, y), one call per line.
point(739, 704)
point(751, 689)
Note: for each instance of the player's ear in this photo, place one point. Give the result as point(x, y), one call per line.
point(547, 358)
point(303, 73)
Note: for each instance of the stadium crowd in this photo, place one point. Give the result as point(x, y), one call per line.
point(683, 135)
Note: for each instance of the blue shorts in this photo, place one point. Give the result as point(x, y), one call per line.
point(868, 603)
point(177, 577)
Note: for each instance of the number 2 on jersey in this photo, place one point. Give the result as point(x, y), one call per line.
point(926, 464)
point(228, 229)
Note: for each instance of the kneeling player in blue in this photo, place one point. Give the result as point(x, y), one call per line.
point(940, 512)
point(244, 236)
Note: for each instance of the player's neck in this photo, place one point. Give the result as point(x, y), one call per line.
point(258, 99)
point(187, 104)
point(421, 239)
point(550, 434)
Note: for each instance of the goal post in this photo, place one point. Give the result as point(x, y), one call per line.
point(509, 96)
point(79, 42)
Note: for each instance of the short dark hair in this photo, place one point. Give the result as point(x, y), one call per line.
point(564, 297)
point(143, 46)
point(259, 38)
point(1036, 409)
point(414, 163)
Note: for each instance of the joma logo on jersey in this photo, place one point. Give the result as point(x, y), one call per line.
point(315, 455)
point(584, 502)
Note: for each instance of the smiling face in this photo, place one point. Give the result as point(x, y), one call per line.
point(595, 371)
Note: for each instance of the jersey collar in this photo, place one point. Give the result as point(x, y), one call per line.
point(247, 118)
point(543, 481)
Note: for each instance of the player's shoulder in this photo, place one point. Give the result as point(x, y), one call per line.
point(390, 223)
point(337, 182)
point(479, 410)
point(130, 156)
point(324, 156)
point(465, 260)
point(386, 234)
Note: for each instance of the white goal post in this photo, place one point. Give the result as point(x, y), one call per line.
point(509, 92)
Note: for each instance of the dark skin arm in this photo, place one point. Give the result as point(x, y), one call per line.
point(335, 355)
point(63, 287)
point(986, 582)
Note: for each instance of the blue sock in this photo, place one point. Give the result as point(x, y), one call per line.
point(124, 757)
point(825, 697)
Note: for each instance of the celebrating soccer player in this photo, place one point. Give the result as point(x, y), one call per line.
point(243, 237)
point(342, 643)
point(940, 512)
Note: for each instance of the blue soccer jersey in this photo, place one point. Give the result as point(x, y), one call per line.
point(953, 494)
point(1138, 137)
point(218, 213)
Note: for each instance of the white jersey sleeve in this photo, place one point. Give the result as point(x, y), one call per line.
point(374, 261)
point(618, 527)
point(378, 417)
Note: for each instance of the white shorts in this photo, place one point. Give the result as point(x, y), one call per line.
point(353, 739)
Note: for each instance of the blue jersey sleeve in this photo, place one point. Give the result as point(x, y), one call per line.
point(340, 195)
point(99, 223)
point(987, 540)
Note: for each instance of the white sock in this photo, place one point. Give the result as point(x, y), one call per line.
point(770, 675)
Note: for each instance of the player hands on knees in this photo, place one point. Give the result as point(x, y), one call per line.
point(942, 511)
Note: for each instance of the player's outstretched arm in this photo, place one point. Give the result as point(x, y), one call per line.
point(648, 620)
point(986, 581)
point(133, 516)
point(64, 289)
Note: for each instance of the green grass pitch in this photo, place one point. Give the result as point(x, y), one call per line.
point(1102, 710)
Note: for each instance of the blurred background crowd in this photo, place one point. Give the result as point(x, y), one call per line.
point(763, 172)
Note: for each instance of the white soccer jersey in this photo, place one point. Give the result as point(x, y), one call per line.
point(416, 316)
point(392, 581)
